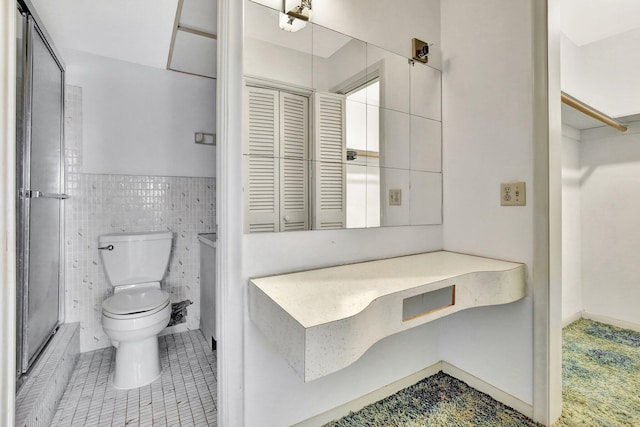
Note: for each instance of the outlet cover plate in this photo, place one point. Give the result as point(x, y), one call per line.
point(395, 197)
point(513, 194)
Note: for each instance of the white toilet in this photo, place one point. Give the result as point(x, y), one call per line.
point(138, 310)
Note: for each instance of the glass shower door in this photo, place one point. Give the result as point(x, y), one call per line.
point(41, 194)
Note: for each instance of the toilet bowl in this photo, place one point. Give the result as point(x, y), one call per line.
point(139, 309)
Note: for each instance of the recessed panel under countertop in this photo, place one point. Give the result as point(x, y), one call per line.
point(325, 295)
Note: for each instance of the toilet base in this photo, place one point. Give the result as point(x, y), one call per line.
point(137, 363)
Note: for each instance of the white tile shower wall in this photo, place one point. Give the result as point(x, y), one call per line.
point(100, 204)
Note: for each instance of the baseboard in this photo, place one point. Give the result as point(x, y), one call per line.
point(369, 398)
point(611, 321)
point(386, 391)
point(574, 317)
point(483, 386)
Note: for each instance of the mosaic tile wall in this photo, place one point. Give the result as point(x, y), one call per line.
point(100, 204)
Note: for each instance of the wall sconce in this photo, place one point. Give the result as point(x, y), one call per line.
point(296, 18)
point(420, 50)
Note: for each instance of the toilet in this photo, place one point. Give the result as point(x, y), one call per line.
point(139, 309)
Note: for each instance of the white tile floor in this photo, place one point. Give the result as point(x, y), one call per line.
point(184, 396)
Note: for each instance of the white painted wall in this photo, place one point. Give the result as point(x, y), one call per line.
point(610, 164)
point(487, 131)
point(137, 31)
point(140, 120)
point(588, 21)
point(269, 61)
point(571, 224)
point(574, 76)
point(604, 73)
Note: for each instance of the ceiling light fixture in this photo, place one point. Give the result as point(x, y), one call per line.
point(296, 18)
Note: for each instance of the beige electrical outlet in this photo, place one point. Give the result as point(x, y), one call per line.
point(513, 194)
point(395, 197)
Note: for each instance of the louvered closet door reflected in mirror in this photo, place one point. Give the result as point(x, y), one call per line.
point(329, 189)
point(276, 160)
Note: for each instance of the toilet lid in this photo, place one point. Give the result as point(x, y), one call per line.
point(135, 301)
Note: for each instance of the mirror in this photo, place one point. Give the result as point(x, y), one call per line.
point(339, 133)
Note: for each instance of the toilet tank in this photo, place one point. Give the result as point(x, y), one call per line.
point(130, 258)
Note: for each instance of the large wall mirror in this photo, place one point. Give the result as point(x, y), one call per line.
point(338, 133)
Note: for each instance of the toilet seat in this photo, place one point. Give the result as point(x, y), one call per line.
point(134, 303)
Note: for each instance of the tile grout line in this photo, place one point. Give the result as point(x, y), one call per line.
point(84, 383)
point(201, 370)
point(195, 384)
point(103, 359)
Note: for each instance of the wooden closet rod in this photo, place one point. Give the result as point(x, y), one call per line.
point(592, 112)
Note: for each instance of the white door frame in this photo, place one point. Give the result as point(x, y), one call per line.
point(546, 271)
point(230, 301)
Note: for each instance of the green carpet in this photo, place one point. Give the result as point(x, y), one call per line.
point(600, 375)
point(439, 400)
point(601, 387)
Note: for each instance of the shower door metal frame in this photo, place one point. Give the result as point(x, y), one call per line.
point(24, 195)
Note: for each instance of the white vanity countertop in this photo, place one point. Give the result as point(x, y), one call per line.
point(325, 295)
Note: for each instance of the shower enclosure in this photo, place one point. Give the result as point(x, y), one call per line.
point(40, 187)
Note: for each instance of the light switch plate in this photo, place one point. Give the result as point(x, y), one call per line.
point(395, 197)
point(513, 194)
